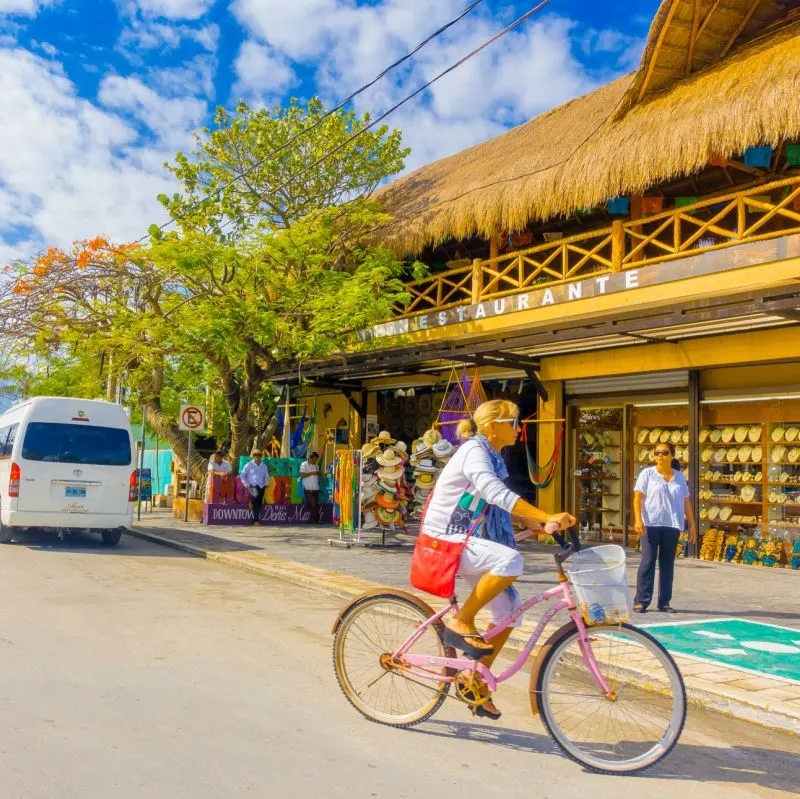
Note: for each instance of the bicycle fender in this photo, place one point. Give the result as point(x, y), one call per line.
point(423, 606)
point(548, 645)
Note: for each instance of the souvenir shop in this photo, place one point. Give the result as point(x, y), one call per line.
point(738, 444)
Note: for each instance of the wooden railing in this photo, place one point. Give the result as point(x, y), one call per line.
point(755, 214)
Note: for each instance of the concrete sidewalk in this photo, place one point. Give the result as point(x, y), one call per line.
point(703, 590)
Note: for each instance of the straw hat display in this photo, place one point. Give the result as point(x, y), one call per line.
point(430, 437)
point(370, 450)
point(389, 459)
point(727, 434)
point(384, 437)
point(748, 493)
point(442, 450)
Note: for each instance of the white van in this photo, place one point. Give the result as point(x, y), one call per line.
point(66, 464)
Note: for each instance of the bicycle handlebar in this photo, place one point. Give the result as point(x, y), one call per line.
point(567, 549)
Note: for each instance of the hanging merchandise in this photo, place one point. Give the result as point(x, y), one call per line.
point(346, 494)
point(759, 157)
point(429, 455)
point(462, 398)
point(542, 476)
point(619, 206)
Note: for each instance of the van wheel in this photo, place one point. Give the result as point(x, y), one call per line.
point(111, 537)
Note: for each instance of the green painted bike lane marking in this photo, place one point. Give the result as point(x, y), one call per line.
point(759, 648)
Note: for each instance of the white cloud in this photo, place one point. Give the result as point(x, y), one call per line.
point(173, 9)
point(27, 8)
point(72, 169)
point(260, 73)
point(148, 34)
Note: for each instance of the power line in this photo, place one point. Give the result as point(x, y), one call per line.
point(438, 32)
point(405, 100)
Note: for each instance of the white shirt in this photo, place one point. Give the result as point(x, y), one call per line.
point(255, 474)
point(469, 470)
point(310, 481)
point(664, 502)
point(219, 468)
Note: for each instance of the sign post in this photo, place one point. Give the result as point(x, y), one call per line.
point(141, 467)
point(192, 419)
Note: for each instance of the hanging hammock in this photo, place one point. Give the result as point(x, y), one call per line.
point(542, 476)
point(460, 402)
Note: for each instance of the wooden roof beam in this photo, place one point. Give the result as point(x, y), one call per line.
point(708, 16)
point(659, 41)
point(693, 37)
point(742, 25)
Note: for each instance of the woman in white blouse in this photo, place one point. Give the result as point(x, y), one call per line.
point(472, 484)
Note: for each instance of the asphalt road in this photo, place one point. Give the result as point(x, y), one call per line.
point(141, 672)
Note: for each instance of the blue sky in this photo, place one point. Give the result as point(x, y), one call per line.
point(96, 94)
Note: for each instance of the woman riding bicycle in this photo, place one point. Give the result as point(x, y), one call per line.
point(471, 481)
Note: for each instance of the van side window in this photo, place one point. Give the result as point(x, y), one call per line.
point(7, 437)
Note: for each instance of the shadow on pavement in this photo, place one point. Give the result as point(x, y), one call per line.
point(90, 544)
point(744, 765)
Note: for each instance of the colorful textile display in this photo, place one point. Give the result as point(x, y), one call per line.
point(459, 403)
point(386, 495)
point(346, 478)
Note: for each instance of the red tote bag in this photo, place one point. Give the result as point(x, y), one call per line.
point(434, 563)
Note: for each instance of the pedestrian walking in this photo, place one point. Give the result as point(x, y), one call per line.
point(255, 478)
point(661, 506)
point(309, 474)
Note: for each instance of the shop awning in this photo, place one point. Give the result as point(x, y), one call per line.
point(521, 350)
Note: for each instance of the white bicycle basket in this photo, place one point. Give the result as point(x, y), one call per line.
point(598, 576)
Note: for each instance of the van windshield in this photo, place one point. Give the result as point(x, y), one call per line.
point(76, 443)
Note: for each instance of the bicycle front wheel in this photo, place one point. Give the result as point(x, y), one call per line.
point(632, 729)
point(383, 691)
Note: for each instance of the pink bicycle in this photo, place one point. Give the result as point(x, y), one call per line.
point(611, 696)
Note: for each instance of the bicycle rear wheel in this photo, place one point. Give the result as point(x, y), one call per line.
point(369, 632)
point(638, 725)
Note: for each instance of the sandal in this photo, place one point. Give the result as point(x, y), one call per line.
point(473, 646)
point(480, 709)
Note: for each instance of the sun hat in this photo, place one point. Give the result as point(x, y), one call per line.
point(426, 465)
point(675, 437)
point(369, 479)
point(740, 434)
point(386, 516)
point(369, 519)
point(703, 435)
point(754, 433)
point(715, 435)
point(748, 493)
point(430, 437)
point(756, 454)
point(778, 453)
point(389, 458)
point(370, 450)
point(792, 433)
point(442, 449)
point(384, 437)
point(400, 447)
point(641, 436)
point(369, 496)
point(727, 434)
point(778, 433)
point(390, 474)
point(425, 479)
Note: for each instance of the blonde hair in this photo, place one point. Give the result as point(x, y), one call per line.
point(485, 413)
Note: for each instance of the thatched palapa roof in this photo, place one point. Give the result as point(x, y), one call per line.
point(620, 139)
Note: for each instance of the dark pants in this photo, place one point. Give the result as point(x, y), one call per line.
point(658, 543)
point(256, 502)
point(312, 500)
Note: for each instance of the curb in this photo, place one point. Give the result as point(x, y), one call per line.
point(347, 587)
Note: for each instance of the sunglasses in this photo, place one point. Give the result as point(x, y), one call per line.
point(514, 422)
point(662, 452)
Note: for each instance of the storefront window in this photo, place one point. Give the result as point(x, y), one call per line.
point(750, 480)
point(598, 437)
